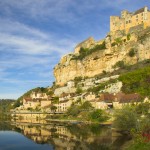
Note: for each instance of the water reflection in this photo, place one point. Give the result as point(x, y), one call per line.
point(69, 136)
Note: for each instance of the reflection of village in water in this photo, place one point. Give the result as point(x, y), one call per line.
point(72, 136)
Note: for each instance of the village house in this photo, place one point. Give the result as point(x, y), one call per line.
point(116, 101)
point(38, 95)
point(99, 104)
point(30, 103)
point(66, 96)
point(126, 99)
point(36, 99)
point(62, 106)
point(89, 96)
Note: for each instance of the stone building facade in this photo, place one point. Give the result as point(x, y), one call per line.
point(128, 20)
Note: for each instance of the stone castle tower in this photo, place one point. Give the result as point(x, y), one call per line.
point(128, 20)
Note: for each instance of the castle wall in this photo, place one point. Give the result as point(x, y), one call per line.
point(128, 20)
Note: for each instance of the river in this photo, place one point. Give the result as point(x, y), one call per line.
point(58, 136)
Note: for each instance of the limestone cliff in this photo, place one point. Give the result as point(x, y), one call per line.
point(100, 60)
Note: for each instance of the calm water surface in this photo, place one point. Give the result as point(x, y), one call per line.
point(27, 136)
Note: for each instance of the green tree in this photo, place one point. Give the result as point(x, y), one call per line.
point(55, 100)
point(97, 115)
point(79, 90)
point(126, 119)
point(53, 108)
point(74, 110)
point(86, 106)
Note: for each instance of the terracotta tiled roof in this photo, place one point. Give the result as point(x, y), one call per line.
point(27, 99)
point(106, 97)
point(129, 98)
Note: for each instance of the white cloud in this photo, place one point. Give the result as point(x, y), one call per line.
point(16, 81)
point(27, 40)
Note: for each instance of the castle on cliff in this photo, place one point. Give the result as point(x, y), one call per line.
point(129, 20)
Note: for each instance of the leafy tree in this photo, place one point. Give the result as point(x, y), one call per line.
point(126, 119)
point(74, 110)
point(50, 93)
point(79, 90)
point(55, 100)
point(86, 106)
point(143, 108)
point(97, 115)
point(17, 103)
point(53, 108)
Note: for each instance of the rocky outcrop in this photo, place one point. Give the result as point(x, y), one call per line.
point(85, 44)
point(103, 60)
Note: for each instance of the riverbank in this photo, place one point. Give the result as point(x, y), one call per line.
point(66, 121)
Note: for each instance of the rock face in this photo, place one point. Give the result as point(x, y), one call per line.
point(103, 60)
point(85, 44)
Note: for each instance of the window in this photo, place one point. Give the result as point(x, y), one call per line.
point(126, 22)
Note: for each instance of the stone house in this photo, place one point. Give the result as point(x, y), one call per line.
point(89, 96)
point(97, 104)
point(108, 99)
point(129, 20)
point(62, 106)
point(36, 99)
point(45, 103)
point(30, 103)
point(38, 95)
point(126, 99)
point(66, 96)
point(116, 101)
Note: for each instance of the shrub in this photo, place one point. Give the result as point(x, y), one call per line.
point(132, 52)
point(86, 106)
point(85, 51)
point(128, 36)
point(119, 64)
point(55, 100)
point(79, 90)
point(118, 41)
point(97, 115)
point(17, 103)
point(53, 108)
point(77, 80)
point(74, 110)
point(104, 72)
point(113, 44)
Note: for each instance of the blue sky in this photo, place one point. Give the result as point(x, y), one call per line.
point(35, 34)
